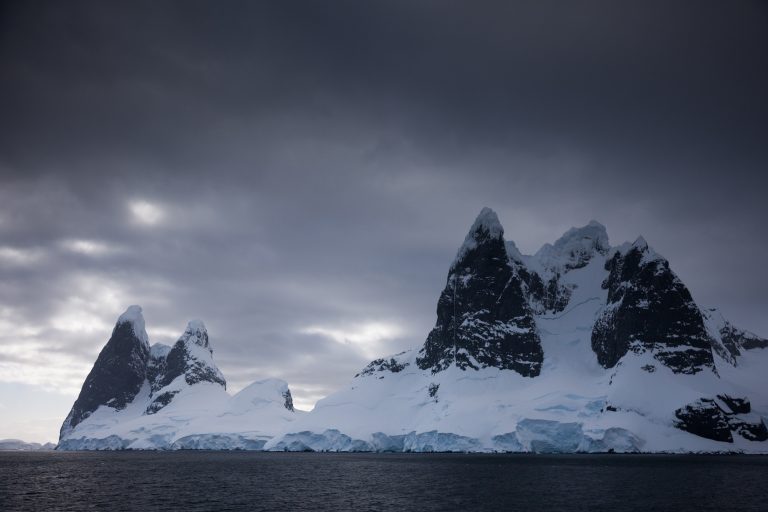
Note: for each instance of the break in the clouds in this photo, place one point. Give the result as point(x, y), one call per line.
point(299, 175)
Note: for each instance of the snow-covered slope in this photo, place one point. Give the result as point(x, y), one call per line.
point(160, 397)
point(580, 347)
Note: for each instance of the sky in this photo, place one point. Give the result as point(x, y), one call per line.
point(299, 175)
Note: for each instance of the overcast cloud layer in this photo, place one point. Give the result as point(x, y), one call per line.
point(300, 175)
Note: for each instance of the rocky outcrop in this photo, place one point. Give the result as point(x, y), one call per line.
point(380, 365)
point(737, 340)
point(721, 417)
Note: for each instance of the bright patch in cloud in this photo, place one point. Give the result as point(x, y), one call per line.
point(367, 337)
point(20, 257)
point(163, 334)
point(87, 247)
point(145, 212)
point(91, 306)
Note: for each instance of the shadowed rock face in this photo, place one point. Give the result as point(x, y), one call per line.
point(720, 419)
point(650, 309)
point(116, 377)
point(544, 296)
point(735, 340)
point(483, 317)
point(288, 404)
point(181, 360)
point(190, 357)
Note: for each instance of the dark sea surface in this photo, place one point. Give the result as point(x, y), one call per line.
point(224, 481)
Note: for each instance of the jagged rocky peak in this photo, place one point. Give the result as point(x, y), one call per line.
point(486, 228)
point(133, 316)
point(483, 317)
point(650, 310)
point(197, 333)
point(118, 373)
point(189, 362)
point(192, 357)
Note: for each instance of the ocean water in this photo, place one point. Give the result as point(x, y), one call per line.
point(253, 481)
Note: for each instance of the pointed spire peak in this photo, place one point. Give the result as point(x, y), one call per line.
point(196, 326)
point(648, 254)
point(133, 316)
point(485, 228)
point(640, 244)
point(489, 221)
point(647, 251)
point(196, 333)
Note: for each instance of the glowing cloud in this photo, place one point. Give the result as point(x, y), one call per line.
point(87, 247)
point(145, 212)
point(366, 337)
point(20, 257)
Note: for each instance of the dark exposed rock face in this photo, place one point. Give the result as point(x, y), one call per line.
point(187, 359)
point(736, 405)
point(288, 400)
point(719, 419)
point(157, 365)
point(751, 431)
point(160, 401)
point(190, 357)
point(704, 419)
point(736, 340)
point(119, 371)
point(483, 317)
point(650, 309)
point(544, 296)
point(380, 365)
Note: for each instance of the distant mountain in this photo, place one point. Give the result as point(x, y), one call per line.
point(579, 347)
point(139, 396)
point(19, 445)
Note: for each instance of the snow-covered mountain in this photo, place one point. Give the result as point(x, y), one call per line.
point(139, 396)
point(579, 347)
point(19, 445)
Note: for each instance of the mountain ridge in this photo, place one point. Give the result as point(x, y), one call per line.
point(629, 361)
point(170, 397)
point(582, 346)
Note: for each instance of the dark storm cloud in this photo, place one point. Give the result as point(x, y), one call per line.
point(315, 165)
